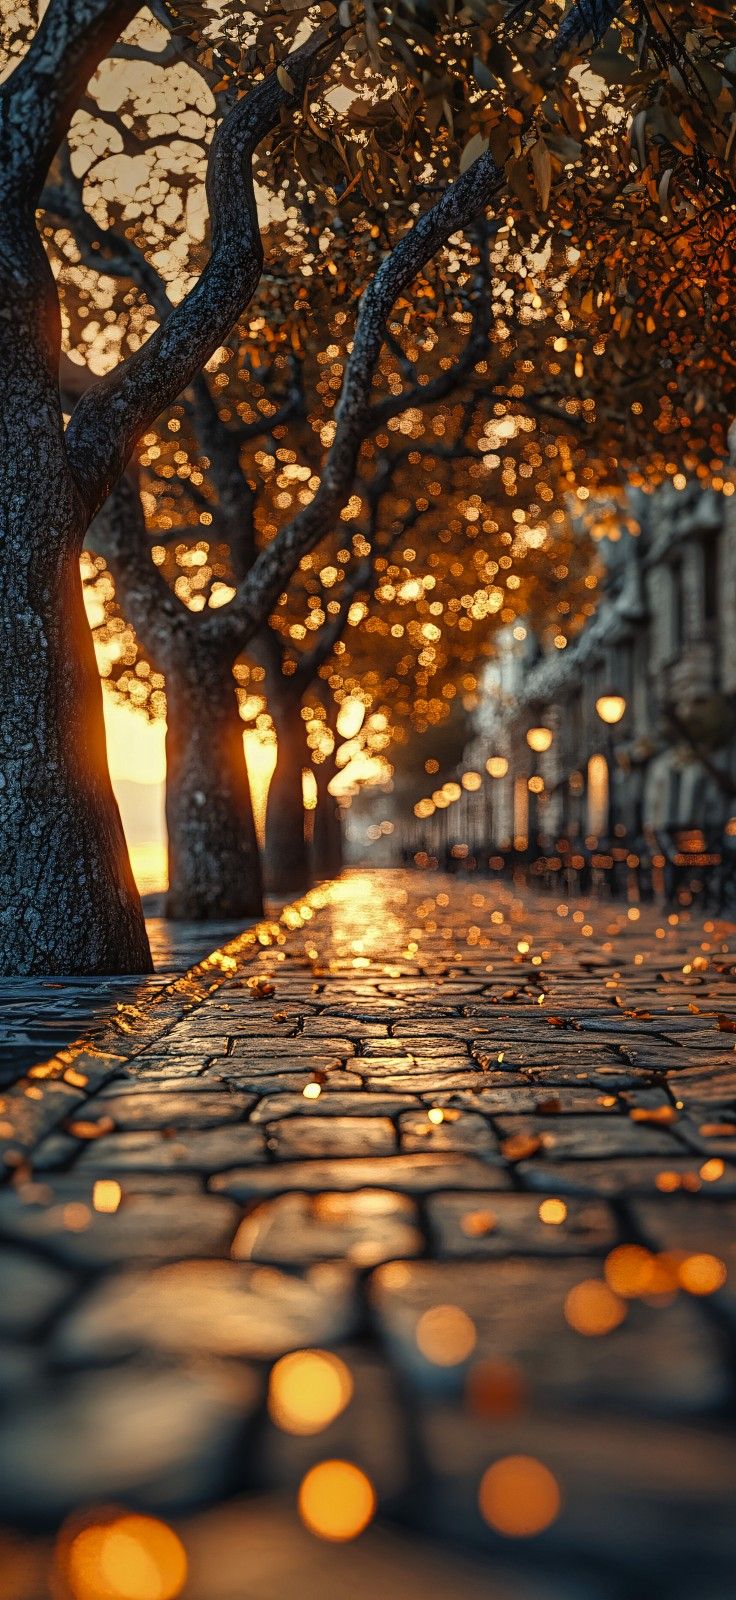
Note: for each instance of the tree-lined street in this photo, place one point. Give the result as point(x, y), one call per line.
point(366, 496)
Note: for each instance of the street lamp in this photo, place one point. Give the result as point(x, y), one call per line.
point(610, 707)
point(497, 766)
point(539, 739)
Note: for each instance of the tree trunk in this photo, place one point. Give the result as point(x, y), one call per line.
point(214, 862)
point(327, 841)
point(68, 901)
point(287, 855)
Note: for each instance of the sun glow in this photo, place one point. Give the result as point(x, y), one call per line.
point(136, 751)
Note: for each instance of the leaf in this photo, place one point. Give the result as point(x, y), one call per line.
point(475, 147)
point(86, 1129)
point(663, 192)
point(726, 1024)
point(542, 165)
point(285, 79)
point(731, 141)
point(638, 140)
point(262, 986)
point(663, 1115)
point(521, 1146)
point(549, 1106)
point(585, 17)
point(483, 78)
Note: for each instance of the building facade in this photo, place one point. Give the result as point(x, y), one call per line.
point(658, 659)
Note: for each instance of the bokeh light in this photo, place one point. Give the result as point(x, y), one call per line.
point(106, 1195)
point(307, 1390)
point(123, 1558)
point(519, 1497)
point(702, 1274)
point(593, 1309)
point(446, 1335)
point(336, 1500)
point(496, 1388)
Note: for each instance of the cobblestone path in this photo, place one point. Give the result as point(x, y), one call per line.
point(473, 1152)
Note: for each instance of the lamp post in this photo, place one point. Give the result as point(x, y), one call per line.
point(539, 740)
point(610, 707)
point(496, 767)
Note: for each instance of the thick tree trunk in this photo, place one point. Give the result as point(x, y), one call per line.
point(327, 841)
point(68, 902)
point(287, 856)
point(214, 861)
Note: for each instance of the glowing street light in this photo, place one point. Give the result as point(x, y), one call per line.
point(610, 708)
point(539, 739)
point(497, 766)
point(471, 782)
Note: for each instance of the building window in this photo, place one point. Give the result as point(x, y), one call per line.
point(676, 616)
point(710, 579)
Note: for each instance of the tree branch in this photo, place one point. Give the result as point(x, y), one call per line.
point(476, 347)
point(310, 662)
point(458, 206)
point(111, 417)
point(119, 533)
point(39, 98)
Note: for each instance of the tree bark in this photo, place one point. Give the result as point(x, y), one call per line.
point(214, 861)
point(327, 840)
point(68, 902)
point(286, 855)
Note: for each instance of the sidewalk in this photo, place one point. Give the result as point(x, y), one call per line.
point(476, 1154)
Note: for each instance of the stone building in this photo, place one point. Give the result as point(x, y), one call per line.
point(660, 654)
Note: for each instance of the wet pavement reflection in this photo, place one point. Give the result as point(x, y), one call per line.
point(391, 1251)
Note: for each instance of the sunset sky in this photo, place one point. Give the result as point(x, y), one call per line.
point(136, 751)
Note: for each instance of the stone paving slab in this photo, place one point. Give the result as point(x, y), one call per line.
point(481, 1159)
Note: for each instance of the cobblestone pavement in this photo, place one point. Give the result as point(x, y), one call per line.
point(427, 1179)
point(38, 1018)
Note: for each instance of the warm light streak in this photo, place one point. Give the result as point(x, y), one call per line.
point(309, 789)
point(350, 718)
point(260, 758)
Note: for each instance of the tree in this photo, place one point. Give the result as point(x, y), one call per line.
point(210, 822)
point(508, 111)
point(217, 428)
point(77, 822)
point(68, 901)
